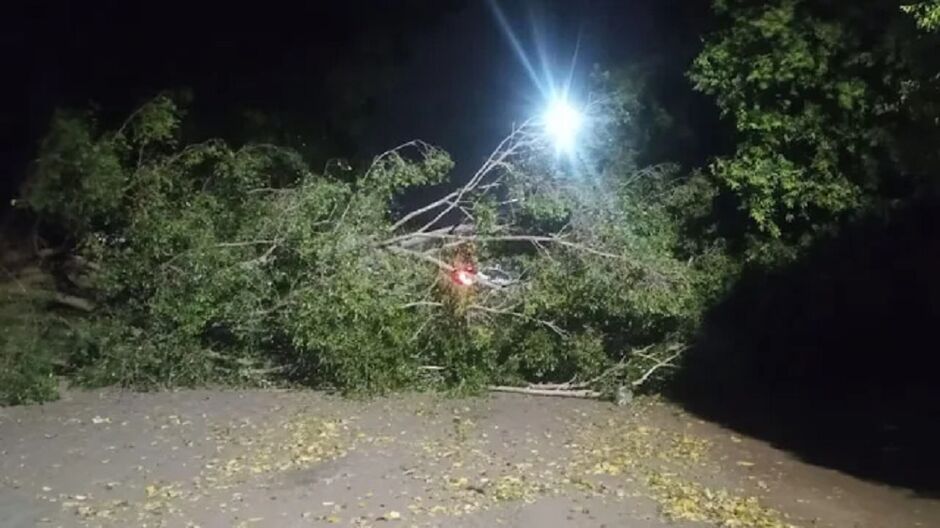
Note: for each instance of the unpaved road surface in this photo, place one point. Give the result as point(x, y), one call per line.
point(300, 459)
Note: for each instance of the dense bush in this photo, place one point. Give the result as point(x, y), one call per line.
point(27, 371)
point(34, 342)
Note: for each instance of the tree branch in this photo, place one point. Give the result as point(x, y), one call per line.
point(548, 324)
point(667, 362)
point(534, 239)
point(72, 301)
point(422, 303)
point(587, 394)
point(506, 148)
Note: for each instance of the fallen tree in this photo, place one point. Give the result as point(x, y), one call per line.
point(209, 263)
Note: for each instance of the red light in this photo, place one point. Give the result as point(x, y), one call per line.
point(464, 276)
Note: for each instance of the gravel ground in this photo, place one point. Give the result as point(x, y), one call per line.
point(283, 459)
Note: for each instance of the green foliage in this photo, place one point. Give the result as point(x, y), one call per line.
point(823, 101)
point(392, 173)
point(31, 344)
point(26, 365)
point(216, 264)
point(71, 163)
point(926, 13)
point(801, 106)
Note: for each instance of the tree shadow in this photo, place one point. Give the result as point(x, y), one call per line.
point(836, 357)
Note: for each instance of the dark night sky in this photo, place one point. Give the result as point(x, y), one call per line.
point(352, 77)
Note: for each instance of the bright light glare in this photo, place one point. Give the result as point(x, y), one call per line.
point(562, 123)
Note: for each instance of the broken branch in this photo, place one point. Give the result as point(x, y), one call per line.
point(587, 394)
point(667, 362)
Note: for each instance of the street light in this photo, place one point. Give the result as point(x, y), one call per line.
point(562, 122)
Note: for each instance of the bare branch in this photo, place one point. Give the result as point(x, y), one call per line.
point(408, 240)
point(548, 324)
point(416, 143)
point(509, 146)
point(531, 391)
point(568, 385)
point(534, 239)
point(263, 258)
point(422, 303)
point(246, 243)
point(427, 208)
point(127, 122)
point(420, 329)
point(72, 301)
point(667, 362)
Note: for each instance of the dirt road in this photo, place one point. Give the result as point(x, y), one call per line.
point(286, 459)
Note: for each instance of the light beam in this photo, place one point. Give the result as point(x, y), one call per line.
point(562, 122)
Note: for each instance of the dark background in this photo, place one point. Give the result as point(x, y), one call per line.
point(333, 79)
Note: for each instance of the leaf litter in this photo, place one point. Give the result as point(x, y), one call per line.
point(461, 471)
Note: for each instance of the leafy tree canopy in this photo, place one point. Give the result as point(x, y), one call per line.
point(927, 14)
point(822, 97)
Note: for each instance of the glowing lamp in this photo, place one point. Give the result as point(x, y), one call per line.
point(562, 123)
